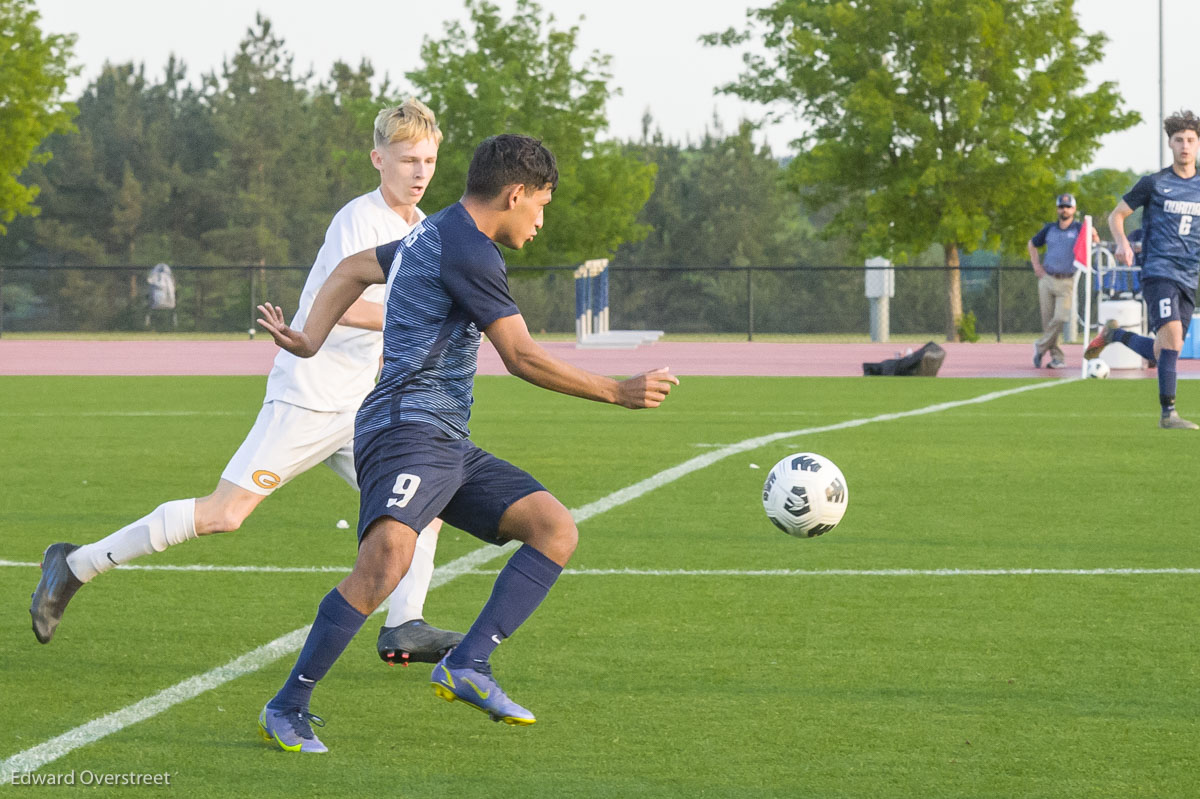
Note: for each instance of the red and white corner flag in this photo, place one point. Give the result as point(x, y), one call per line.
point(1083, 246)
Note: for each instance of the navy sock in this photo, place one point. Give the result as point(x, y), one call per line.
point(522, 585)
point(1142, 345)
point(1167, 361)
point(337, 622)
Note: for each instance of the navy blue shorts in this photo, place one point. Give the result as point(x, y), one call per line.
point(1167, 301)
point(415, 473)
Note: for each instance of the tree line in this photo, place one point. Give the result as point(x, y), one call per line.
point(246, 164)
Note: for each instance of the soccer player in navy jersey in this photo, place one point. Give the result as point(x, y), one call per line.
point(446, 283)
point(1170, 200)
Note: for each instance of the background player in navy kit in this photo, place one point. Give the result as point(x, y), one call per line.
point(1055, 273)
point(1171, 251)
point(446, 283)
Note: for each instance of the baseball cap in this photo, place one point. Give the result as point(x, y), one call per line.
point(1066, 200)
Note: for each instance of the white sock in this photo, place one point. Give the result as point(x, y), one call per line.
point(407, 602)
point(170, 523)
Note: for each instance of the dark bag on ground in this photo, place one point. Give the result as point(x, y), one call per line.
point(925, 362)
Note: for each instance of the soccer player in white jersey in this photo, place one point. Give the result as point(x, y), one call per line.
point(308, 412)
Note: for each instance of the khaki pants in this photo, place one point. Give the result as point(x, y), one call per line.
point(1054, 297)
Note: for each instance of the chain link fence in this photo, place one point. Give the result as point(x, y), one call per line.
point(749, 301)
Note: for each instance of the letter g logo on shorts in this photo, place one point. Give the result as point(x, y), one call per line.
point(264, 479)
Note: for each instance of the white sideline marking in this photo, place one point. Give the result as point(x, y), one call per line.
point(42, 414)
point(204, 567)
point(636, 490)
point(853, 572)
point(685, 572)
point(35, 757)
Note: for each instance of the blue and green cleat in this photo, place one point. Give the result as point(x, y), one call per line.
point(291, 730)
point(478, 689)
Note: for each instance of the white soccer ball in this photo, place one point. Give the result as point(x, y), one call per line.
point(1097, 368)
point(805, 495)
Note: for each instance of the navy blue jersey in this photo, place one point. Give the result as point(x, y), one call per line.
point(446, 281)
point(1170, 224)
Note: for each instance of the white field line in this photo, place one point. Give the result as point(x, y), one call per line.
point(37, 756)
point(135, 414)
point(204, 567)
point(636, 490)
point(996, 572)
point(855, 572)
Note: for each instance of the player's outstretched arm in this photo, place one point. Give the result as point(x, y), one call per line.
point(1116, 224)
point(345, 285)
point(528, 360)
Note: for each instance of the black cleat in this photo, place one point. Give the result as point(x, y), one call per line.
point(53, 591)
point(415, 642)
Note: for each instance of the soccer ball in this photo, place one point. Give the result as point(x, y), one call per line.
point(805, 495)
point(1097, 368)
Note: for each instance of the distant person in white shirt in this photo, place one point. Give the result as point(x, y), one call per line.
point(308, 412)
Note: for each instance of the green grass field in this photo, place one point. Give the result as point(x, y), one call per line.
point(852, 668)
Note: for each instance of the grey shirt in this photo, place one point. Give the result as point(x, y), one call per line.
point(1059, 259)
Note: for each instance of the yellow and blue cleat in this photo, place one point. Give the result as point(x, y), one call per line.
point(291, 730)
point(478, 689)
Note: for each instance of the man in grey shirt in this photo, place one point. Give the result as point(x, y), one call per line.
point(1055, 274)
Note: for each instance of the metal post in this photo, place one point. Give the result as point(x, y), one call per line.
point(749, 304)
point(1, 300)
point(999, 300)
point(253, 304)
point(880, 287)
point(1162, 105)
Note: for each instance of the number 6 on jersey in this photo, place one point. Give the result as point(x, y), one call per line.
point(406, 485)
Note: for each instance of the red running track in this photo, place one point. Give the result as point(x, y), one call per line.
point(69, 357)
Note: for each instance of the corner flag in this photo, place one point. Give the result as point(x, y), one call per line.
point(1083, 263)
point(1083, 246)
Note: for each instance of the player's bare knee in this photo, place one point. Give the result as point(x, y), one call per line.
point(566, 537)
point(554, 535)
point(383, 558)
point(218, 520)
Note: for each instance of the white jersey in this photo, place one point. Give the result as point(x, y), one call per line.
point(344, 370)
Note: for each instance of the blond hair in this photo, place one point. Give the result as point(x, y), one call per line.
point(410, 121)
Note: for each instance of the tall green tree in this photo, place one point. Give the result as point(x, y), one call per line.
point(34, 68)
point(122, 188)
point(270, 170)
point(523, 75)
point(722, 202)
point(931, 121)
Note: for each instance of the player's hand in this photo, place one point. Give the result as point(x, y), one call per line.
point(647, 390)
point(1124, 253)
point(294, 341)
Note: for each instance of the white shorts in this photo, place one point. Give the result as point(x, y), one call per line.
point(287, 440)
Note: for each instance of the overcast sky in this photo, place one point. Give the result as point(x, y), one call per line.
point(657, 61)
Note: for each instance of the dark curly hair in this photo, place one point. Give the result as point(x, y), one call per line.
point(1181, 120)
point(507, 160)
